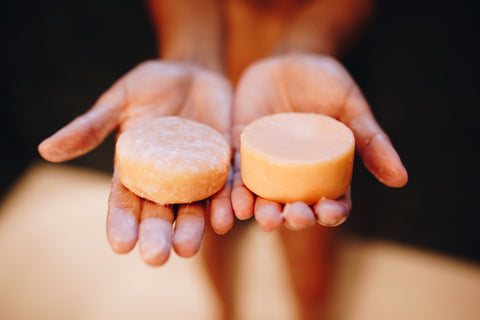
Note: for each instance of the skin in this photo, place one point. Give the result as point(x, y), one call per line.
point(309, 83)
point(281, 56)
point(152, 89)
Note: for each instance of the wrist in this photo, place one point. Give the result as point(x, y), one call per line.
point(203, 55)
point(308, 48)
point(304, 42)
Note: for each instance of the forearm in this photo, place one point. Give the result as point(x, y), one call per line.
point(326, 27)
point(189, 30)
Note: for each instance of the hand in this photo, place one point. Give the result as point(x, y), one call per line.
point(308, 83)
point(152, 89)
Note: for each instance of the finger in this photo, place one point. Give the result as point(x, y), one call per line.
point(221, 211)
point(189, 228)
point(298, 216)
point(242, 198)
point(87, 131)
point(250, 102)
point(213, 94)
point(331, 213)
point(268, 214)
point(373, 144)
point(122, 218)
point(155, 233)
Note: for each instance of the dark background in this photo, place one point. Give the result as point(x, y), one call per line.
point(417, 66)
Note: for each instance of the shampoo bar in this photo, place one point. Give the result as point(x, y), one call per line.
point(172, 160)
point(290, 157)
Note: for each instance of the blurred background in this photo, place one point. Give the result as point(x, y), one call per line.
point(417, 65)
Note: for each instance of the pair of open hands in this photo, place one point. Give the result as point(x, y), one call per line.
point(297, 82)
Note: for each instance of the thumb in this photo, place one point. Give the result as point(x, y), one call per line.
point(373, 144)
point(88, 130)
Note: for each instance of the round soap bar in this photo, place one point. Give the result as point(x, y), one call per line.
point(172, 160)
point(288, 157)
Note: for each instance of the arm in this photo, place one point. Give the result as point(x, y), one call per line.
point(189, 31)
point(325, 27)
point(189, 85)
point(303, 76)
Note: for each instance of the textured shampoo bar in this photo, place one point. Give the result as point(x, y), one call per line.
point(172, 160)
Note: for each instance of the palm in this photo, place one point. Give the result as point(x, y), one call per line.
point(300, 84)
point(153, 89)
point(156, 89)
point(309, 83)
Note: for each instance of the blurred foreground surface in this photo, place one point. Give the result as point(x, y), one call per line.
point(55, 263)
